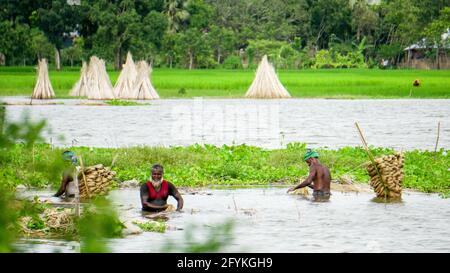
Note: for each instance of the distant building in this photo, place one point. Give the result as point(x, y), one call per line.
point(416, 54)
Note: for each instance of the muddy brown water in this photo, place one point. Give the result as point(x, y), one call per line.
point(269, 220)
point(401, 124)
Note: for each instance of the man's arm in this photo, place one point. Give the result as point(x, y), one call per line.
point(307, 182)
point(65, 180)
point(176, 194)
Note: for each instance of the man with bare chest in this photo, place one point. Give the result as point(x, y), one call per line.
point(319, 178)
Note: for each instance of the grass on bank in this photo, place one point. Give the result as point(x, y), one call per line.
point(208, 165)
point(309, 83)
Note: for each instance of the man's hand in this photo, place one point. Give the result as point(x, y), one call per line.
point(291, 189)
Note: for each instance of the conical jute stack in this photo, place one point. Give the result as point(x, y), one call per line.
point(391, 170)
point(43, 88)
point(99, 85)
point(81, 87)
point(266, 84)
point(95, 180)
point(143, 88)
point(125, 83)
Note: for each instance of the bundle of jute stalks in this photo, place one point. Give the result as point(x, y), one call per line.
point(388, 179)
point(95, 180)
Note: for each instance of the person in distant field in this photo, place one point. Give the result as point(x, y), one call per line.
point(319, 178)
point(156, 190)
point(68, 186)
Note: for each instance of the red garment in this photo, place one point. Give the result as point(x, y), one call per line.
point(163, 192)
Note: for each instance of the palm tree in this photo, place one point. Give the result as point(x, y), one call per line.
point(176, 13)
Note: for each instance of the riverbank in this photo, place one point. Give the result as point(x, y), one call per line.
point(220, 83)
point(200, 166)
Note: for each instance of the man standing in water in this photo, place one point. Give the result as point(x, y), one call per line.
point(68, 184)
point(319, 177)
point(154, 193)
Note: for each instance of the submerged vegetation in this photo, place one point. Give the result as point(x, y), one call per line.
point(152, 226)
point(207, 165)
point(118, 102)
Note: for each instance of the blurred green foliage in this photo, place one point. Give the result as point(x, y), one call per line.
point(217, 239)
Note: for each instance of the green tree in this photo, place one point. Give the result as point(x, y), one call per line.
point(329, 17)
point(193, 47)
point(222, 41)
point(364, 19)
point(40, 46)
point(428, 10)
point(433, 32)
point(119, 26)
point(176, 13)
point(199, 14)
point(149, 40)
point(73, 53)
point(57, 19)
point(118, 23)
point(15, 42)
point(168, 48)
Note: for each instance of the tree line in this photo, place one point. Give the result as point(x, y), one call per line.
point(220, 33)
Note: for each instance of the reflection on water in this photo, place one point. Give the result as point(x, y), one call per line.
point(401, 124)
point(269, 220)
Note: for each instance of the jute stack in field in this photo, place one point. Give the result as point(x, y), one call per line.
point(125, 83)
point(266, 84)
point(81, 87)
point(99, 85)
point(95, 180)
point(143, 88)
point(391, 170)
point(43, 88)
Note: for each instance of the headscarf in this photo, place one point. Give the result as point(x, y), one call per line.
point(70, 156)
point(309, 154)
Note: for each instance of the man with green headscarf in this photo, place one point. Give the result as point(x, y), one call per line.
point(319, 177)
point(68, 181)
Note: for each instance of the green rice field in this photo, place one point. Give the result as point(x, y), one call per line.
point(324, 83)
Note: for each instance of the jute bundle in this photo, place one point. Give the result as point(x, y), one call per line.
point(99, 85)
point(95, 180)
point(391, 171)
point(81, 87)
point(43, 88)
point(302, 192)
point(54, 221)
point(143, 88)
point(266, 84)
point(125, 83)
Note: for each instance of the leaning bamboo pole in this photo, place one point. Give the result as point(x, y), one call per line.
point(369, 154)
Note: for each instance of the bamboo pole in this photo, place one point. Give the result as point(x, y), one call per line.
point(235, 206)
point(363, 140)
point(84, 177)
point(437, 139)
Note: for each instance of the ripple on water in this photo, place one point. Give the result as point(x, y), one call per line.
point(247, 122)
point(349, 223)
